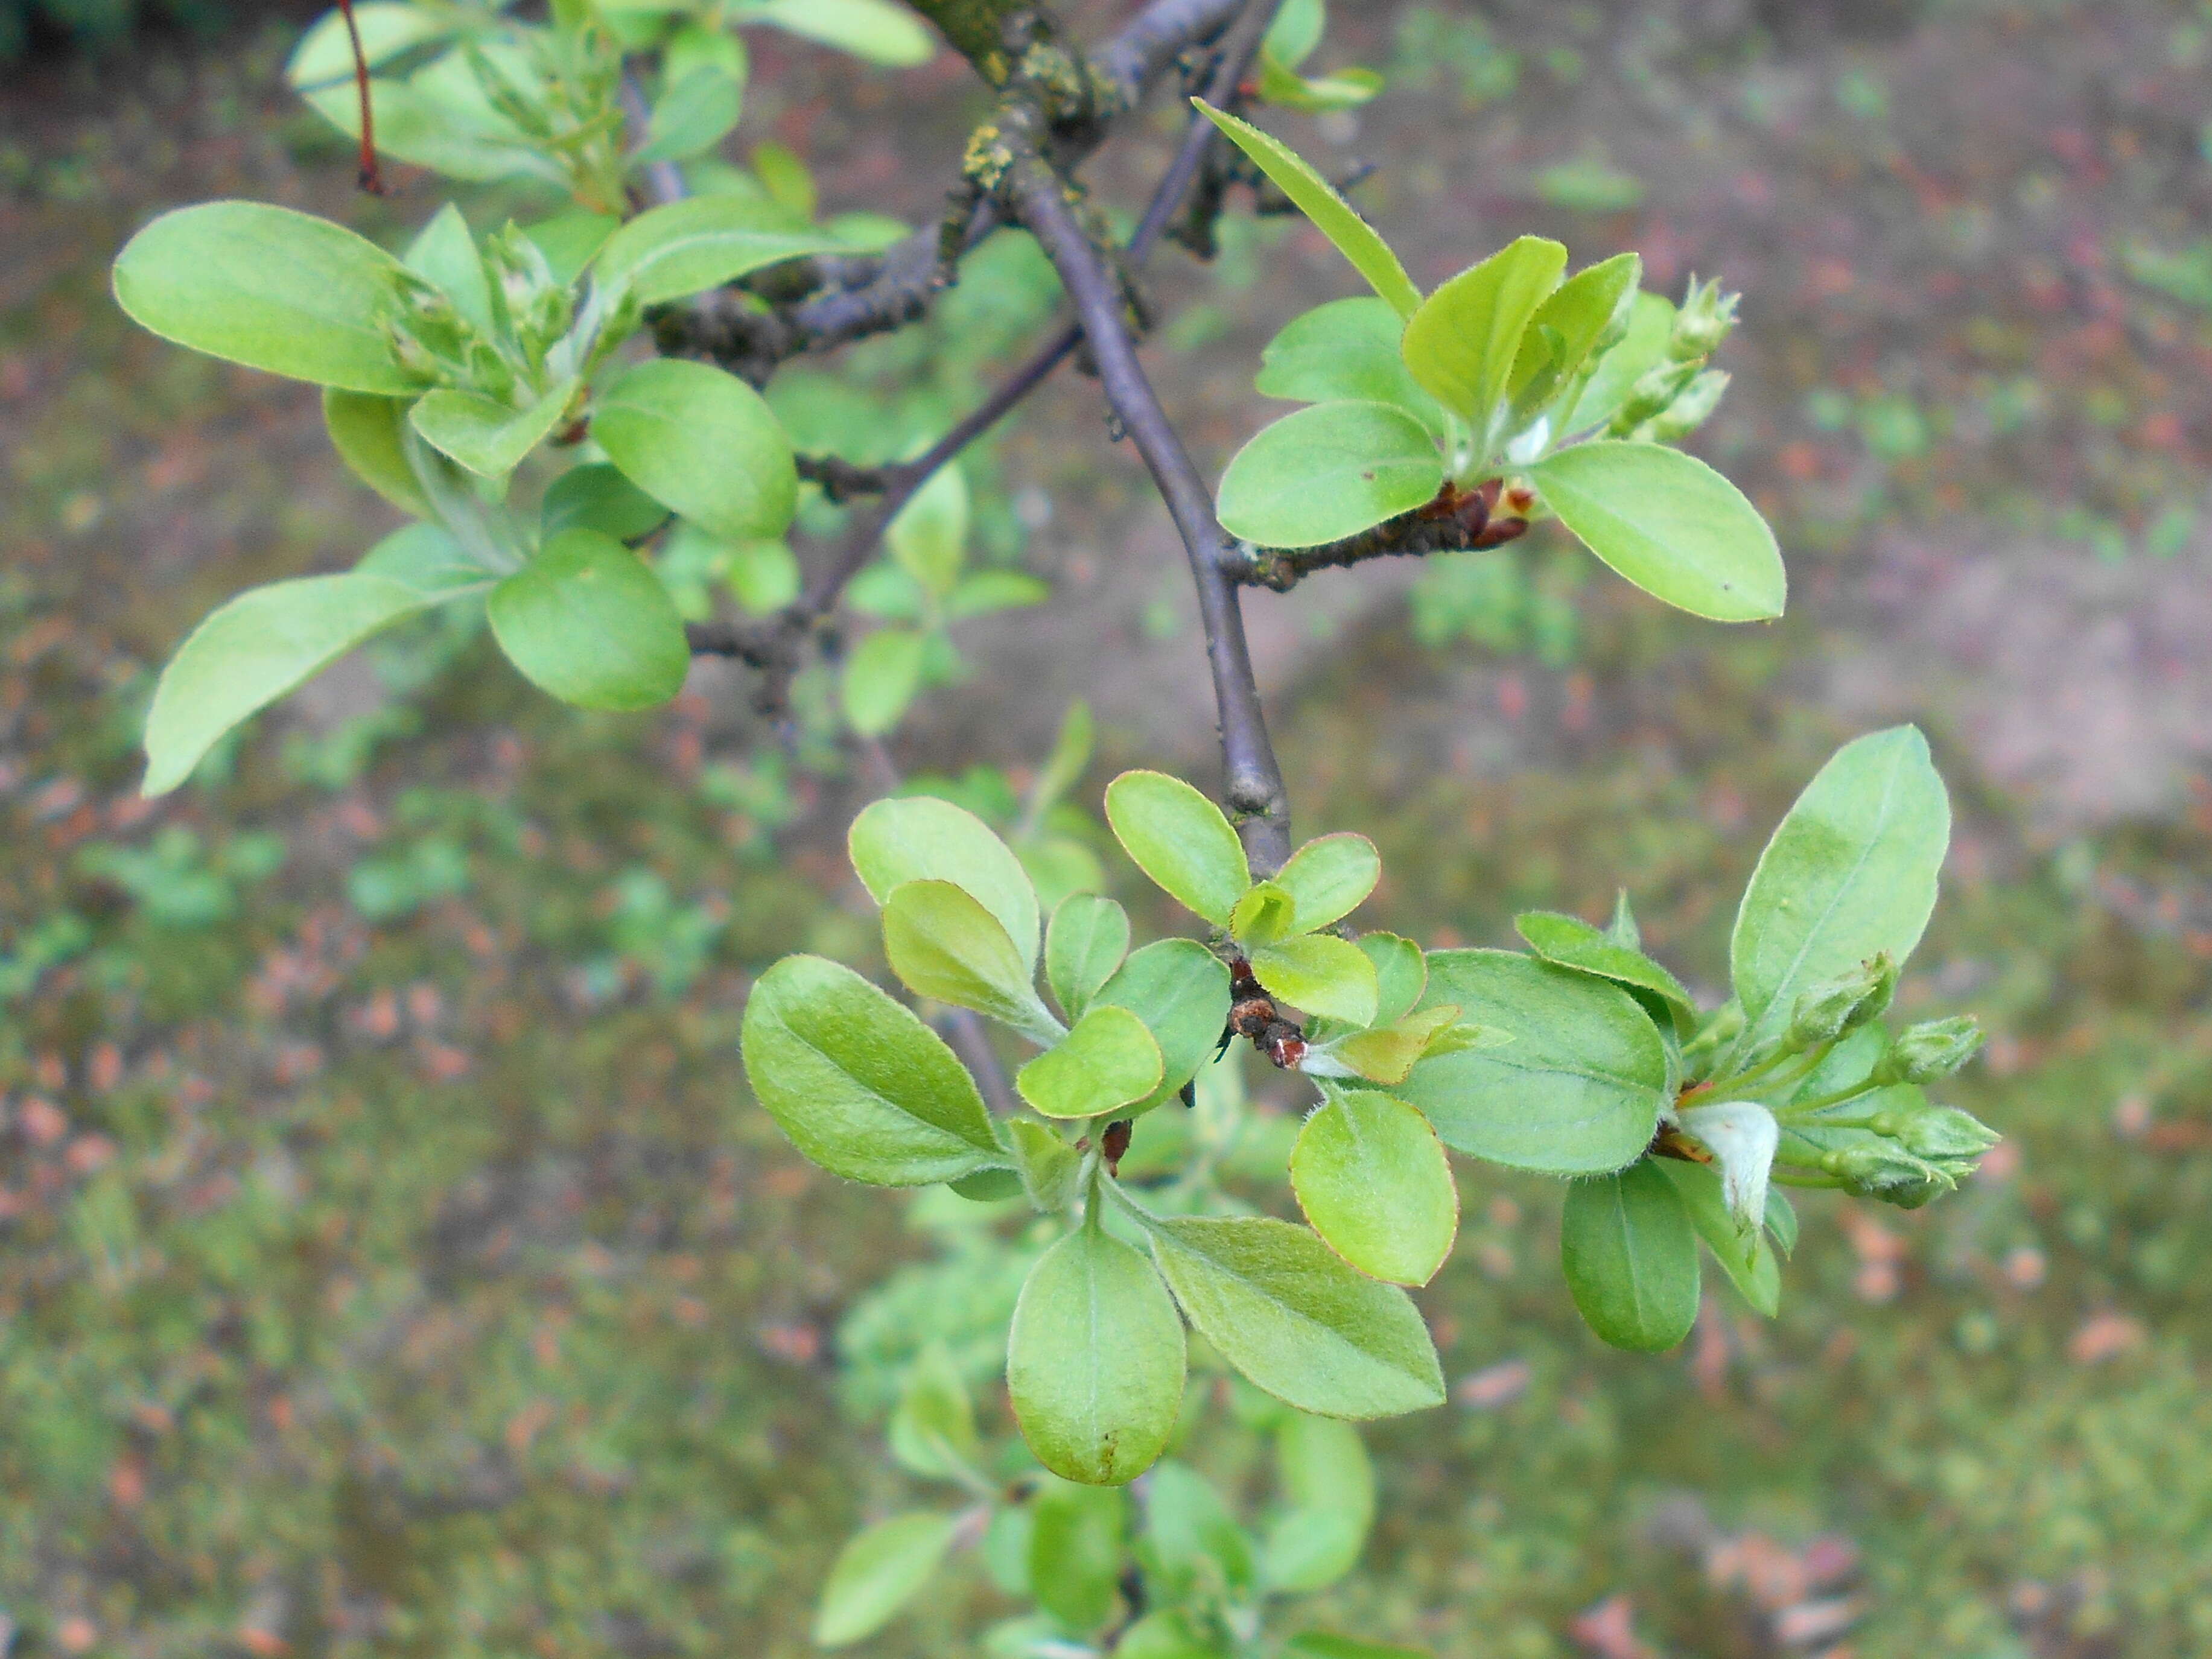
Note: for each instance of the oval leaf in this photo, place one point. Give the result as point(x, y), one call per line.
point(586, 621)
point(1372, 1177)
point(704, 443)
point(1329, 877)
point(1630, 1258)
point(1095, 1361)
point(1748, 1261)
point(1108, 1060)
point(1327, 473)
point(1401, 973)
point(944, 943)
point(874, 30)
point(1849, 871)
point(366, 431)
point(1577, 1085)
point(880, 679)
point(921, 838)
point(1180, 989)
point(1181, 839)
point(1346, 351)
point(487, 437)
point(1288, 1313)
point(1570, 942)
point(702, 242)
point(1330, 1483)
point(858, 1083)
point(1083, 948)
point(1461, 343)
point(1671, 524)
point(879, 1571)
point(1322, 975)
point(269, 288)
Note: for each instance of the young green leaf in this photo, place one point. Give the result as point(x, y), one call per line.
point(1075, 1552)
point(269, 640)
point(861, 1086)
point(873, 30)
point(703, 442)
point(880, 678)
point(598, 497)
point(1265, 914)
point(1346, 351)
point(1401, 973)
point(1321, 973)
point(1748, 1261)
point(1084, 946)
point(1179, 839)
point(921, 838)
point(1327, 473)
point(1329, 877)
point(570, 240)
point(1570, 942)
point(703, 241)
point(1047, 1165)
point(1108, 1060)
point(1095, 1360)
point(586, 621)
point(1669, 523)
point(272, 289)
point(1295, 1320)
point(1461, 343)
point(1332, 215)
point(1371, 1176)
point(1386, 1054)
point(694, 114)
point(1063, 768)
point(438, 116)
point(1330, 1483)
point(487, 437)
point(987, 592)
point(1630, 1258)
point(1644, 346)
point(989, 1186)
point(1566, 328)
point(1197, 1548)
point(942, 942)
point(1849, 871)
point(932, 1431)
point(1296, 31)
point(1166, 1633)
point(880, 1570)
point(929, 537)
point(1325, 1645)
point(1781, 1221)
point(445, 254)
point(367, 431)
point(1579, 1086)
point(1180, 989)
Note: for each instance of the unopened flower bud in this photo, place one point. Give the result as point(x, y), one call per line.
point(1692, 408)
point(1946, 1135)
point(1930, 1051)
point(1653, 394)
point(1871, 1169)
point(1844, 1003)
point(1707, 317)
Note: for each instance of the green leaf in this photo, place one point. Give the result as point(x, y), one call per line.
point(1180, 989)
point(921, 838)
point(703, 241)
point(586, 620)
point(1296, 31)
point(1166, 1634)
point(871, 29)
point(1781, 1220)
point(1461, 343)
point(1322, 1644)
point(987, 592)
point(1265, 914)
point(269, 640)
point(1850, 871)
point(860, 1086)
point(269, 288)
point(693, 116)
point(703, 442)
point(880, 1570)
point(1630, 1258)
point(1095, 1360)
point(1071, 753)
point(1047, 1165)
point(1332, 215)
point(1197, 1548)
point(1108, 1060)
point(1386, 1054)
point(1330, 876)
point(989, 1186)
point(1669, 523)
point(1566, 328)
point(1650, 322)
point(1288, 1314)
point(1328, 471)
point(570, 240)
point(929, 537)
point(1371, 1176)
point(366, 431)
point(1570, 942)
point(324, 54)
point(1181, 839)
point(1748, 1261)
point(445, 254)
point(1321, 973)
point(1075, 1552)
point(487, 437)
point(763, 576)
point(932, 1429)
point(1347, 350)
point(598, 497)
point(944, 943)
point(1401, 974)
point(438, 117)
point(1083, 948)
point(880, 678)
point(1330, 1485)
point(1577, 1088)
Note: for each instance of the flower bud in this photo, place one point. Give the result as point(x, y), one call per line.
point(1707, 317)
point(1653, 394)
point(1947, 1136)
point(1692, 408)
point(1930, 1051)
point(1844, 1003)
point(1873, 1169)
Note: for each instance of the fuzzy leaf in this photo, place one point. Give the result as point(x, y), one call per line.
point(1372, 1177)
point(1108, 1060)
point(1329, 877)
point(1083, 948)
point(1630, 1258)
point(1461, 343)
point(880, 1570)
point(1181, 839)
point(920, 838)
point(1328, 471)
point(1321, 974)
point(942, 942)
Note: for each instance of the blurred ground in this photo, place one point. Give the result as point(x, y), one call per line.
point(390, 1262)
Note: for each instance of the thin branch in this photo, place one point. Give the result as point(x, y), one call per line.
point(1252, 783)
point(1455, 521)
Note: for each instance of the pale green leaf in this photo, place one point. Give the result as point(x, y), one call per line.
point(487, 437)
point(694, 114)
point(598, 497)
point(929, 537)
point(921, 838)
point(1347, 350)
point(1181, 839)
point(1330, 1486)
point(702, 442)
point(879, 1571)
point(1401, 973)
point(874, 30)
point(944, 943)
point(1198, 1547)
point(1083, 948)
point(1461, 343)
point(1570, 942)
point(1107, 1061)
point(931, 1430)
point(1330, 876)
point(1321, 973)
point(570, 240)
point(1328, 471)
point(1076, 1547)
point(586, 620)
point(1180, 989)
point(366, 430)
point(1265, 914)
point(880, 678)
point(1566, 328)
point(1749, 1261)
point(444, 254)
point(1372, 1177)
point(1644, 346)
point(704, 241)
point(1047, 1165)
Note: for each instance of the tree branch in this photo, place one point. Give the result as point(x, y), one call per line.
point(1455, 521)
